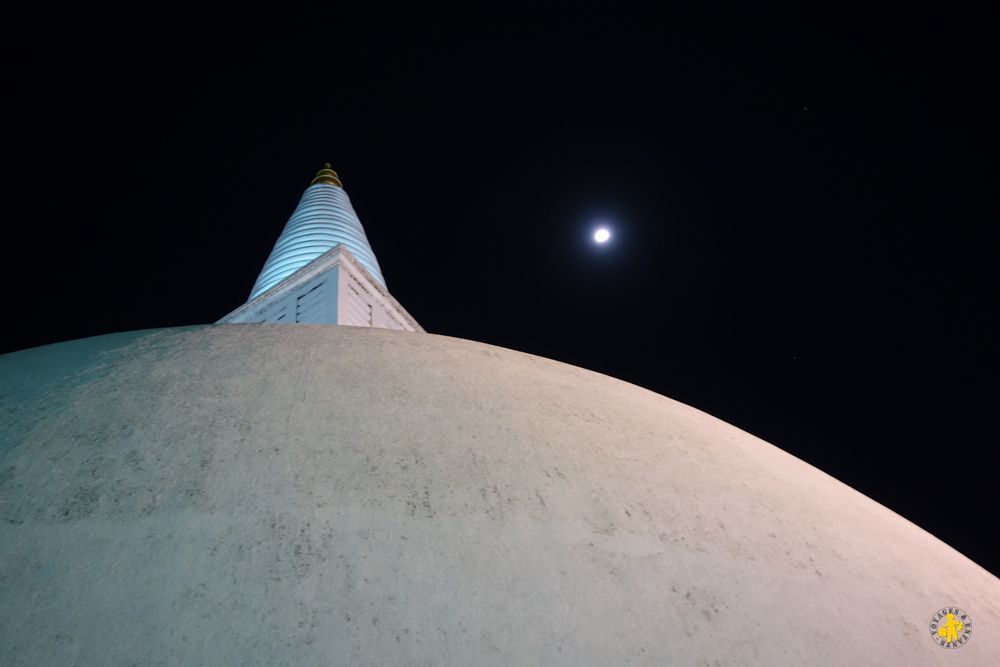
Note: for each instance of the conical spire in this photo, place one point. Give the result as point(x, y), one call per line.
point(323, 219)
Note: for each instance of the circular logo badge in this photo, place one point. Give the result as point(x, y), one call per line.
point(951, 627)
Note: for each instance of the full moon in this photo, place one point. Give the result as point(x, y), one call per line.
point(601, 235)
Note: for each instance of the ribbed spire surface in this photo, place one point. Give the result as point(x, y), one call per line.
point(323, 218)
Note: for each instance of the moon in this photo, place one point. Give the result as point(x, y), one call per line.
point(602, 234)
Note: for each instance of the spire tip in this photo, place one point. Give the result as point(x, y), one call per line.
point(328, 176)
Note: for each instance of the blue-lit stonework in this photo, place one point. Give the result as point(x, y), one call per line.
point(323, 218)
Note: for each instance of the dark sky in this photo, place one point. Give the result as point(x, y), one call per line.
point(802, 204)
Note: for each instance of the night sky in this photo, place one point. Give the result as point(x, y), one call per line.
point(801, 204)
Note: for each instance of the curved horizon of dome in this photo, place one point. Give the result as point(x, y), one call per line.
point(311, 495)
point(323, 219)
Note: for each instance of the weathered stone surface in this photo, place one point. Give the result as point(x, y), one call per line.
point(306, 495)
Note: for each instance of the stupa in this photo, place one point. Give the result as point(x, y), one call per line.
point(278, 494)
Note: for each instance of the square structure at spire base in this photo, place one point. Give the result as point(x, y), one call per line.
point(334, 288)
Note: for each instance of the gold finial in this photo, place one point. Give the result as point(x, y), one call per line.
point(327, 175)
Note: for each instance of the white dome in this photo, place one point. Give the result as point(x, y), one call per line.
point(306, 495)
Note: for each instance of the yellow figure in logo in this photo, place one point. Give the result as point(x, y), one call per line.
point(950, 628)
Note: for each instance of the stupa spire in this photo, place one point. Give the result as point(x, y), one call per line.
point(323, 219)
point(322, 269)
